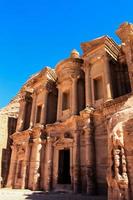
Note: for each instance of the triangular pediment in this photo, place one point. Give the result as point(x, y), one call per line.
point(46, 73)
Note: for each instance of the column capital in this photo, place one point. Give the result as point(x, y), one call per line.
point(34, 93)
point(13, 147)
point(22, 98)
point(24, 95)
point(87, 70)
point(74, 78)
point(41, 89)
point(87, 112)
point(87, 65)
point(50, 139)
point(87, 130)
point(36, 141)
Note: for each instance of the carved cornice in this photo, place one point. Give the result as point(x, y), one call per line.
point(69, 67)
point(96, 48)
point(68, 61)
point(19, 137)
point(63, 142)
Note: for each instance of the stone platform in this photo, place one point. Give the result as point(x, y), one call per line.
point(8, 194)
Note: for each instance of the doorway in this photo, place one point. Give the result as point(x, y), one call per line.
point(64, 167)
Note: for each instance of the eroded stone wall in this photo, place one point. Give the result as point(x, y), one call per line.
point(119, 176)
point(10, 111)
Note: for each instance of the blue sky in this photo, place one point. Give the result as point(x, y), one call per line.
point(38, 33)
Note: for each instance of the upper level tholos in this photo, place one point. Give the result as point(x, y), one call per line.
point(101, 74)
point(71, 86)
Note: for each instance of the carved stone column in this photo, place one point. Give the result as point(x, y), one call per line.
point(59, 108)
point(20, 124)
point(44, 107)
point(12, 169)
point(90, 154)
point(76, 155)
point(74, 95)
point(25, 166)
point(88, 91)
point(29, 167)
point(36, 173)
point(48, 166)
point(33, 111)
point(34, 166)
point(42, 164)
point(108, 87)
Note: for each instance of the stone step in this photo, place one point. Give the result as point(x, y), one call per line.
point(9, 194)
point(63, 188)
point(73, 197)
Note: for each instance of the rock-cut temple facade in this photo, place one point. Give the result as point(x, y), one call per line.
point(71, 128)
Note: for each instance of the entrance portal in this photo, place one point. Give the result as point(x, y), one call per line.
point(64, 167)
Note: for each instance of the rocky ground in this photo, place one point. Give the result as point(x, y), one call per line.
point(8, 194)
